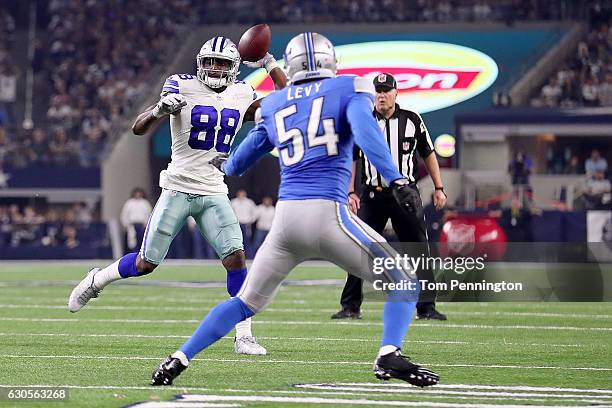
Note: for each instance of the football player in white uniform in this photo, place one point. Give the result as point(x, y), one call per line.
point(206, 111)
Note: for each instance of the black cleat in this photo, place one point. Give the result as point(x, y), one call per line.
point(394, 365)
point(430, 314)
point(167, 371)
point(347, 314)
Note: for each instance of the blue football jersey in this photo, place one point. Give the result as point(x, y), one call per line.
point(313, 126)
point(317, 164)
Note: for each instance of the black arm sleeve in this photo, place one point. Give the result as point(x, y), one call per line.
point(356, 151)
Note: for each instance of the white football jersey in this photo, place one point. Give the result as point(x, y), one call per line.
point(203, 128)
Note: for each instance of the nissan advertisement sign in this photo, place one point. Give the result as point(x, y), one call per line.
point(430, 75)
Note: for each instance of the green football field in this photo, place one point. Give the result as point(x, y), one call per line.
point(487, 354)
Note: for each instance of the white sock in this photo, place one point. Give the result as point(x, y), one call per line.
point(244, 328)
point(181, 356)
point(384, 350)
point(107, 275)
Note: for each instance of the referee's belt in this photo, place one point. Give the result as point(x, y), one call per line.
point(378, 189)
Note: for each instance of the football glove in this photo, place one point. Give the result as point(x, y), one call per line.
point(268, 62)
point(407, 198)
point(170, 103)
point(219, 161)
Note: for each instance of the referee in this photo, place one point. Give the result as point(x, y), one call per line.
point(405, 133)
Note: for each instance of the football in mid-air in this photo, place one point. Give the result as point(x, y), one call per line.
point(255, 43)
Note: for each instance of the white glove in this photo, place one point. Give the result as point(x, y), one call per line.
point(170, 103)
point(268, 62)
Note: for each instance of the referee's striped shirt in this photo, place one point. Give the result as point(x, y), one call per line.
point(405, 133)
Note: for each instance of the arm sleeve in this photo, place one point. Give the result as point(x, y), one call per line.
point(424, 144)
point(253, 147)
point(368, 138)
point(170, 86)
point(356, 151)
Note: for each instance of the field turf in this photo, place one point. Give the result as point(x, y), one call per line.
point(488, 354)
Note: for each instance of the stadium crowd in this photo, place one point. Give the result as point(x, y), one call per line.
point(585, 79)
point(92, 58)
point(52, 227)
point(357, 11)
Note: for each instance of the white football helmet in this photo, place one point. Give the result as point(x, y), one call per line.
point(218, 62)
point(309, 56)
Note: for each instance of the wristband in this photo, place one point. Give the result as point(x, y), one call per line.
point(442, 190)
point(270, 64)
point(352, 192)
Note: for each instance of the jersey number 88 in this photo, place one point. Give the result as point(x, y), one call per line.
point(205, 120)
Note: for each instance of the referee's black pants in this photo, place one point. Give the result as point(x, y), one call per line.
point(375, 210)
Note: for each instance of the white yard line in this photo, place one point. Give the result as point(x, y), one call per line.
point(313, 323)
point(328, 339)
point(437, 390)
point(390, 392)
point(62, 306)
point(471, 387)
point(336, 401)
point(264, 360)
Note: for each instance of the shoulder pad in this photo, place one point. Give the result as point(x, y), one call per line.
point(362, 84)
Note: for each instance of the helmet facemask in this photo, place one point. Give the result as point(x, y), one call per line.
point(217, 71)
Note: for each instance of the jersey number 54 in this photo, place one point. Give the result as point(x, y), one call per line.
point(293, 152)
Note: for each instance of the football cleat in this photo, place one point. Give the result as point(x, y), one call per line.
point(394, 365)
point(431, 314)
point(83, 292)
point(167, 371)
point(347, 314)
point(249, 345)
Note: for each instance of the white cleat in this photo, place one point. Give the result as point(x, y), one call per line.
point(249, 345)
point(83, 292)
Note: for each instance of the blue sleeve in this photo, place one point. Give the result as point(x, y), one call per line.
point(253, 147)
point(367, 136)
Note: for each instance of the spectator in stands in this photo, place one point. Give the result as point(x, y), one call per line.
point(70, 237)
point(595, 165)
point(264, 215)
point(134, 217)
point(590, 92)
point(551, 93)
point(51, 229)
point(92, 147)
point(6, 146)
point(63, 150)
point(38, 148)
point(520, 169)
point(597, 193)
point(82, 214)
point(8, 92)
point(605, 90)
point(6, 228)
point(244, 208)
point(573, 166)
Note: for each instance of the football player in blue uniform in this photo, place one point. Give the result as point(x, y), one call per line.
point(313, 123)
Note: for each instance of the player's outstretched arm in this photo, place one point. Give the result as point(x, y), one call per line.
point(168, 104)
point(276, 73)
point(368, 138)
point(144, 121)
point(269, 63)
point(253, 147)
